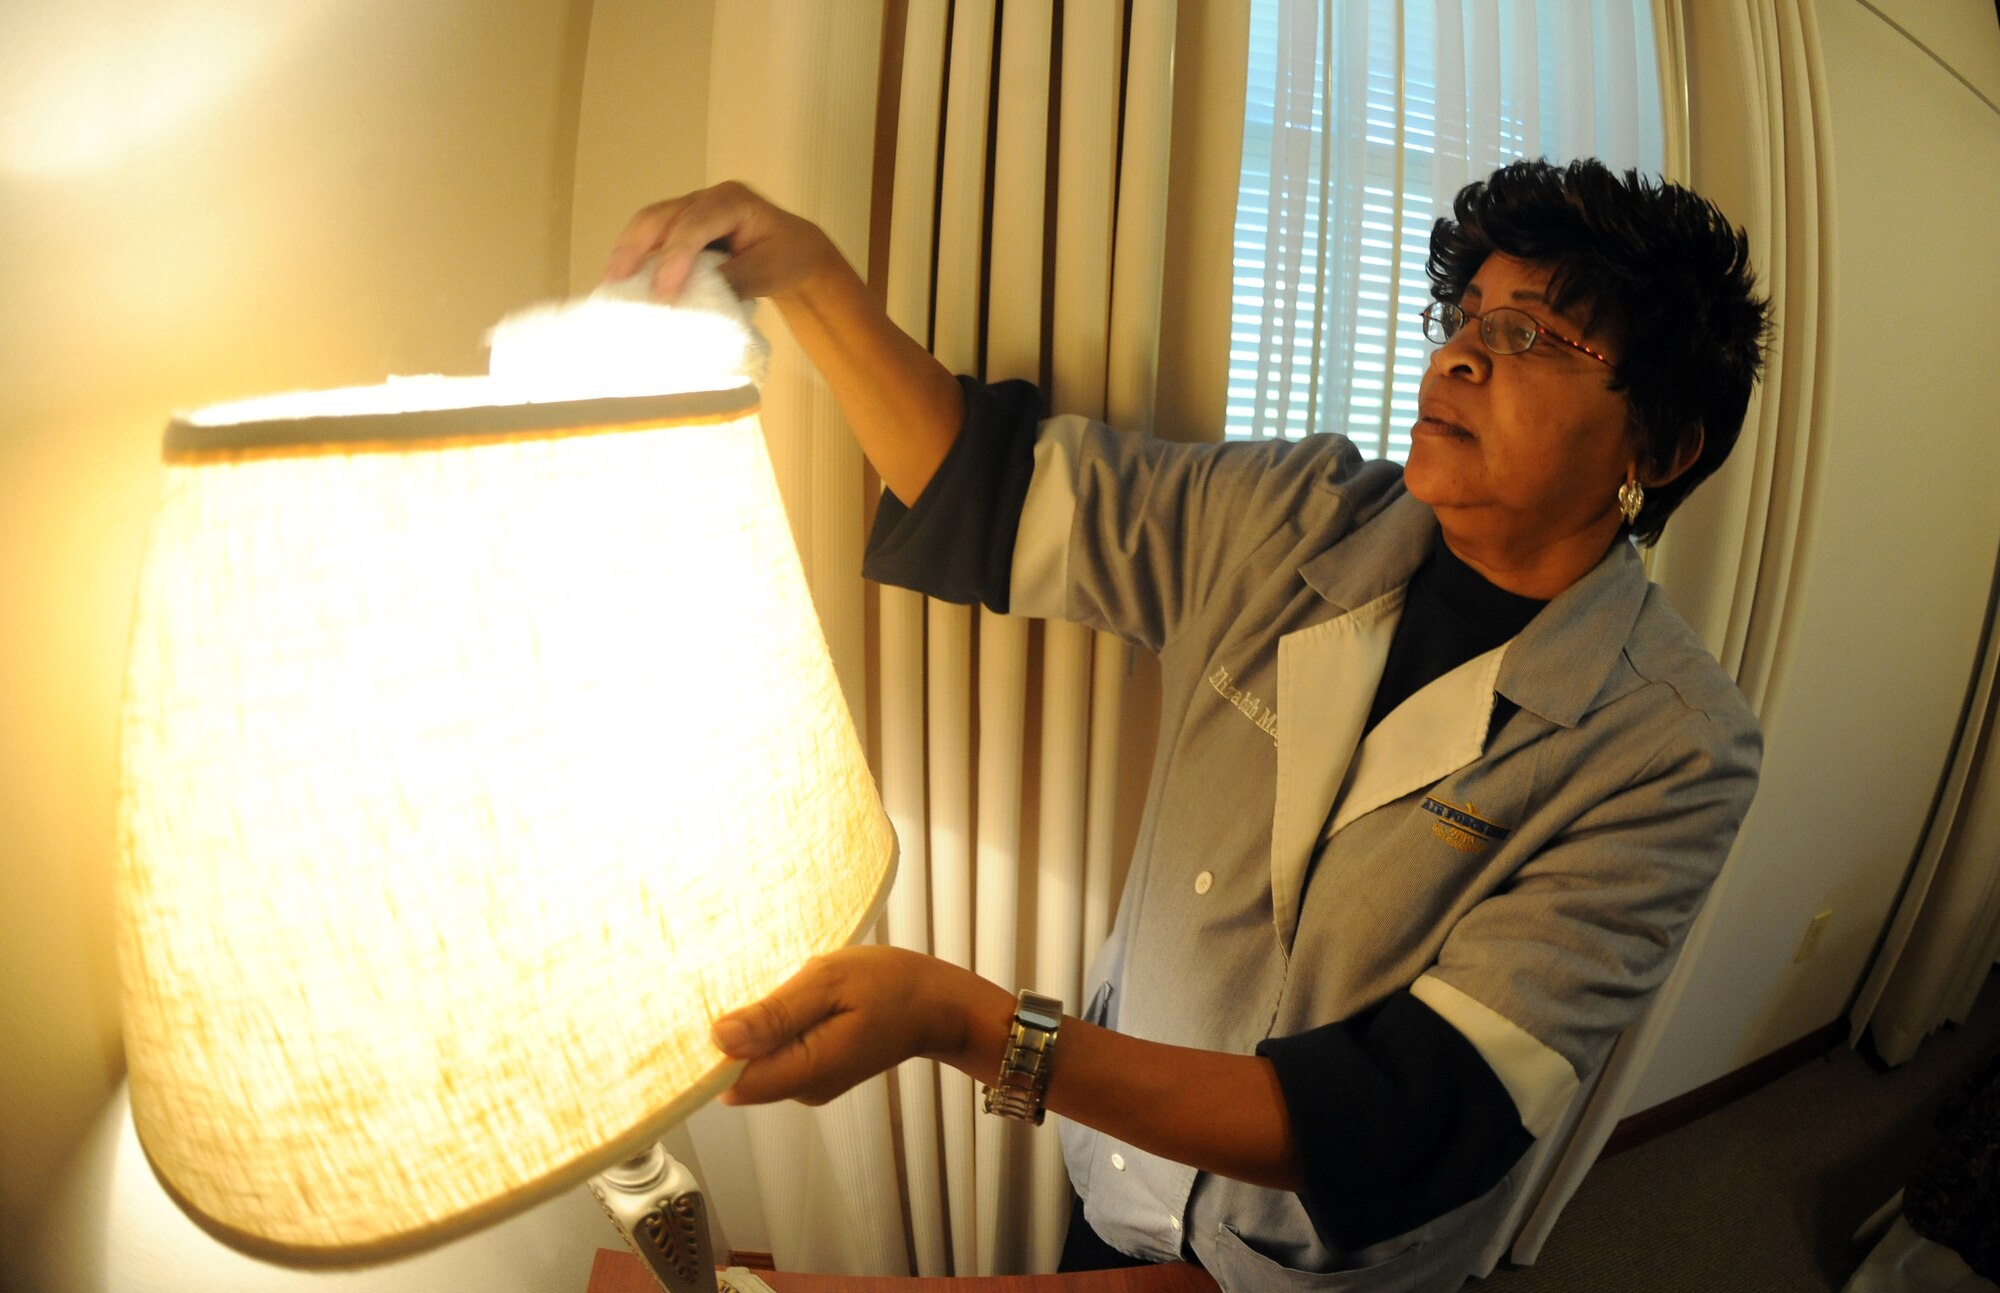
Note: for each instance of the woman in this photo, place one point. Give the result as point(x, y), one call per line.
point(1441, 778)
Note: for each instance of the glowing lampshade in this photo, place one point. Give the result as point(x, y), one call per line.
point(477, 755)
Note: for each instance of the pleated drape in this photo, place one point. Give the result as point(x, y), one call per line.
point(823, 1182)
point(1025, 240)
point(1756, 128)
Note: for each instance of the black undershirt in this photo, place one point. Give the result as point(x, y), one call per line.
point(1451, 614)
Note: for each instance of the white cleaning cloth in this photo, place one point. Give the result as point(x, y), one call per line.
point(618, 341)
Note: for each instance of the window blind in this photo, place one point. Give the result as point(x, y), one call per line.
point(1362, 119)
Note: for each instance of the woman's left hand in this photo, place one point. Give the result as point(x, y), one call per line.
point(850, 1015)
point(854, 1013)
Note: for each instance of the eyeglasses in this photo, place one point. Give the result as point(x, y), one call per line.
point(1504, 329)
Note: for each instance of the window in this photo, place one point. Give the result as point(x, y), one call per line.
point(1362, 119)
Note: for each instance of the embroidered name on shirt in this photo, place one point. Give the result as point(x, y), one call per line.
point(1463, 828)
point(1247, 703)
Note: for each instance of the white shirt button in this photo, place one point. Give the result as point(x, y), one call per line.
point(1175, 1222)
point(1204, 882)
point(1118, 1161)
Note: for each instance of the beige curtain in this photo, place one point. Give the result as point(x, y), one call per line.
point(1751, 133)
point(816, 1187)
point(1025, 241)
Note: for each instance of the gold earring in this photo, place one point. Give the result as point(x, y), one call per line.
point(1631, 497)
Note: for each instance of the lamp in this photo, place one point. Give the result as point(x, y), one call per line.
point(477, 753)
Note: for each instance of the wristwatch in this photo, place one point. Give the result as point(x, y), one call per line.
point(1024, 1068)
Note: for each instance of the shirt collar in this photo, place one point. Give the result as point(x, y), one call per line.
point(1560, 661)
point(1558, 664)
point(1380, 554)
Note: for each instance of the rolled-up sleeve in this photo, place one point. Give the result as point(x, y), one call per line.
point(1426, 1100)
point(1070, 519)
point(1546, 972)
point(1396, 1119)
point(956, 542)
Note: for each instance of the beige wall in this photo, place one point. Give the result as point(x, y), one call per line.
point(1961, 33)
point(1898, 546)
point(643, 126)
point(203, 200)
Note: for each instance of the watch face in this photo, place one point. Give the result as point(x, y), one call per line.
point(1039, 1011)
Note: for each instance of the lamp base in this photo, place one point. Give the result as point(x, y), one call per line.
point(656, 1204)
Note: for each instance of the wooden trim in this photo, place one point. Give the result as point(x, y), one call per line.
point(616, 1270)
point(1678, 1112)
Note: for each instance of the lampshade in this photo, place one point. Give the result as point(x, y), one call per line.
point(477, 755)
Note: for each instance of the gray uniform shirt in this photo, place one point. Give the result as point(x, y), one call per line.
point(1528, 884)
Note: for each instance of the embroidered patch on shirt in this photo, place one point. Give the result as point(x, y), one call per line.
point(1247, 703)
point(1463, 828)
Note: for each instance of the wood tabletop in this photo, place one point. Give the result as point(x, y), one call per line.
point(617, 1271)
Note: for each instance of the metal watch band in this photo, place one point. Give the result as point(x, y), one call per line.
point(1024, 1068)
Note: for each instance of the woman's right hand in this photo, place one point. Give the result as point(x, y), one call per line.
point(771, 251)
point(903, 407)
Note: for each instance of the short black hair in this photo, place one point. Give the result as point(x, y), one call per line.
point(1661, 264)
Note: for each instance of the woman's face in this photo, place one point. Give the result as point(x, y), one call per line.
point(1526, 449)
